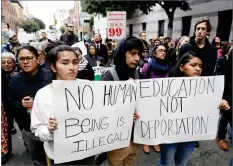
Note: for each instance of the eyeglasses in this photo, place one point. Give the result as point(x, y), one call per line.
point(145, 51)
point(161, 50)
point(7, 62)
point(28, 59)
point(71, 26)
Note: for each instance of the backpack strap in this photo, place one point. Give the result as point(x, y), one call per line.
point(112, 70)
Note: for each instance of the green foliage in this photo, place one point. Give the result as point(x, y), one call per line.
point(29, 26)
point(100, 7)
point(39, 22)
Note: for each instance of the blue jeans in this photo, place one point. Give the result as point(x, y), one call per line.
point(180, 152)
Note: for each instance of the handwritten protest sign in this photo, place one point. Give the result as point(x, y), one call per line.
point(93, 117)
point(82, 46)
point(177, 109)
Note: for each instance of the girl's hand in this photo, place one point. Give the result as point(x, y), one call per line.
point(224, 105)
point(135, 116)
point(27, 102)
point(52, 124)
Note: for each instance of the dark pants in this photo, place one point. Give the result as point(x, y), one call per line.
point(35, 148)
point(86, 161)
point(225, 119)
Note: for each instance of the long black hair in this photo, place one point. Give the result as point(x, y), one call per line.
point(176, 72)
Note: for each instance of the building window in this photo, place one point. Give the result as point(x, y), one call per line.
point(161, 28)
point(144, 26)
point(130, 29)
point(186, 23)
point(224, 24)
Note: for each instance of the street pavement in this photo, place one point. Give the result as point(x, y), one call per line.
point(207, 155)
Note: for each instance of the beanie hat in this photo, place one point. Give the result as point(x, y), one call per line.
point(11, 34)
point(9, 55)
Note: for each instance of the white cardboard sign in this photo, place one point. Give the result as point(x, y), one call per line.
point(93, 117)
point(82, 46)
point(116, 24)
point(177, 109)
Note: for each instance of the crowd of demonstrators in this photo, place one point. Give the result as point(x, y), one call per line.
point(27, 93)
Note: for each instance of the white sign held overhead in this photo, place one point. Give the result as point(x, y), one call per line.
point(116, 22)
point(82, 46)
point(177, 109)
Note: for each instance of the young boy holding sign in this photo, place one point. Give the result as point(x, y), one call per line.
point(190, 65)
point(64, 63)
point(126, 59)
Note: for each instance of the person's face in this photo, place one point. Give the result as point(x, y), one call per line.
point(201, 31)
point(132, 58)
point(8, 64)
point(161, 38)
point(157, 42)
point(70, 28)
point(192, 68)
point(145, 53)
point(217, 40)
point(97, 38)
point(143, 36)
point(66, 66)
point(184, 41)
point(43, 35)
point(160, 52)
point(92, 50)
point(28, 62)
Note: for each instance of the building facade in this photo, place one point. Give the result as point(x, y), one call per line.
point(155, 23)
point(19, 9)
point(83, 20)
point(9, 15)
point(60, 15)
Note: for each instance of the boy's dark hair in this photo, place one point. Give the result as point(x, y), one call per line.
point(208, 25)
point(128, 44)
point(29, 48)
point(176, 72)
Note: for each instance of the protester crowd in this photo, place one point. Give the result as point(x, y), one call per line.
point(28, 71)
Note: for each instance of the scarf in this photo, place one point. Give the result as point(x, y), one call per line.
point(159, 66)
point(82, 64)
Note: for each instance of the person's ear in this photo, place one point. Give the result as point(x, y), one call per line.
point(182, 68)
point(53, 68)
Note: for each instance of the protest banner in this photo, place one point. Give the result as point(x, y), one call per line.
point(175, 110)
point(93, 117)
point(82, 46)
point(116, 24)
